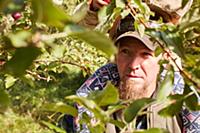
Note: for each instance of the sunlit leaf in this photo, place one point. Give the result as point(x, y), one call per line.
point(153, 130)
point(141, 29)
point(106, 21)
point(80, 12)
point(58, 51)
point(120, 3)
point(61, 107)
point(140, 5)
point(49, 14)
point(53, 127)
point(135, 107)
point(21, 60)
point(166, 86)
point(20, 39)
point(94, 38)
point(107, 96)
point(90, 105)
point(9, 81)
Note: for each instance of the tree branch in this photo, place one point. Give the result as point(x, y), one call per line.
point(38, 76)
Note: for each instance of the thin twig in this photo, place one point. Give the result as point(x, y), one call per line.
point(38, 76)
point(67, 62)
point(53, 36)
point(134, 13)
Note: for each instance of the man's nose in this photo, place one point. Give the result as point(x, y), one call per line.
point(135, 63)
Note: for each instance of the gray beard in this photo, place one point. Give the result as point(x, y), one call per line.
point(128, 90)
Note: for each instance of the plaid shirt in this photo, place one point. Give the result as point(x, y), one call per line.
point(109, 72)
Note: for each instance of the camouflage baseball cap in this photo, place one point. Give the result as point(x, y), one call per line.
point(145, 39)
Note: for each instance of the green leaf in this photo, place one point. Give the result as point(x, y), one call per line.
point(135, 107)
point(184, 2)
point(58, 51)
point(9, 81)
point(4, 100)
point(117, 123)
point(60, 107)
point(114, 108)
point(94, 38)
point(99, 128)
point(176, 103)
point(90, 105)
point(21, 60)
point(141, 29)
point(190, 19)
point(166, 86)
point(106, 21)
point(85, 118)
point(53, 127)
point(191, 101)
point(140, 5)
point(80, 12)
point(106, 97)
point(120, 3)
point(49, 14)
point(153, 130)
point(20, 39)
point(174, 41)
point(111, 7)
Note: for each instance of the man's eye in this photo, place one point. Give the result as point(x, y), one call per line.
point(147, 54)
point(125, 51)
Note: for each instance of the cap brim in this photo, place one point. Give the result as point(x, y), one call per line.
point(144, 39)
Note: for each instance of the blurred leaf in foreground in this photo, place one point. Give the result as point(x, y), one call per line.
point(94, 38)
point(21, 60)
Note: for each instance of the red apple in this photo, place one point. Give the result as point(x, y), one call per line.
point(16, 15)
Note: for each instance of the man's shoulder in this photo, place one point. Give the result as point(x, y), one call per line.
point(108, 72)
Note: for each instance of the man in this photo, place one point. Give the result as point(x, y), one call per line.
point(134, 73)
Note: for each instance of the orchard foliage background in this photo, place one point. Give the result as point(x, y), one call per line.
point(35, 73)
point(45, 56)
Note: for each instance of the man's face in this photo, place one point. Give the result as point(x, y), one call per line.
point(138, 69)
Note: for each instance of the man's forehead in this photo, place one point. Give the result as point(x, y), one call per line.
point(131, 42)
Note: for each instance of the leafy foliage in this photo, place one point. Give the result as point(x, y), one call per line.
point(45, 56)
